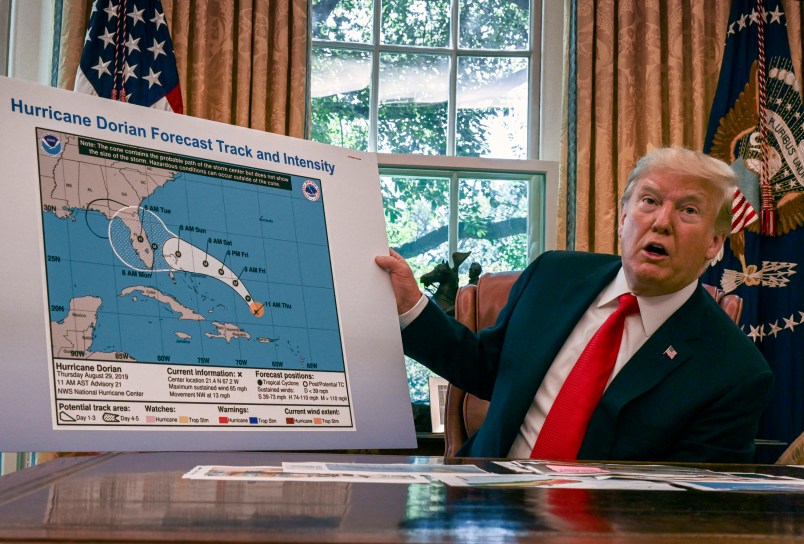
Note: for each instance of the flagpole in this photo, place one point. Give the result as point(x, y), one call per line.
point(768, 213)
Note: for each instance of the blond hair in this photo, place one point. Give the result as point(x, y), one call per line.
point(692, 164)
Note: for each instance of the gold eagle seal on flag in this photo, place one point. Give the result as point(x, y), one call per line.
point(738, 141)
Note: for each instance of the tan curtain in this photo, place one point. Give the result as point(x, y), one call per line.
point(240, 62)
point(795, 17)
point(647, 73)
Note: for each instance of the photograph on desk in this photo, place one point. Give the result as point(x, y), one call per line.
point(185, 284)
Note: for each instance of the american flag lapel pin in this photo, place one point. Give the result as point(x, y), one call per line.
point(671, 352)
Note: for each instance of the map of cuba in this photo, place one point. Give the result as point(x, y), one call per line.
point(160, 258)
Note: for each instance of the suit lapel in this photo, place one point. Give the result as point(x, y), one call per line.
point(666, 350)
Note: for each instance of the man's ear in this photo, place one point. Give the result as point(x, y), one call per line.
point(714, 248)
point(621, 222)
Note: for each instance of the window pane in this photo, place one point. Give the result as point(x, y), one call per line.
point(423, 23)
point(339, 90)
point(343, 20)
point(494, 24)
point(412, 116)
point(493, 224)
point(492, 102)
point(416, 215)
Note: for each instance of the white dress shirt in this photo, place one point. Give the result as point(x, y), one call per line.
point(653, 312)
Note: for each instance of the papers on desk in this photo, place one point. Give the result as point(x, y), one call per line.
point(399, 473)
point(564, 482)
point(520, 474)
point(278, 474)
point(388, 468)
point(604, 470)
point(621, 476)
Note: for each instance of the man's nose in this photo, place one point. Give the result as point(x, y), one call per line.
point(663, 219)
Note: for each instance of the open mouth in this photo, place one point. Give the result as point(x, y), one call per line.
point(656, 250)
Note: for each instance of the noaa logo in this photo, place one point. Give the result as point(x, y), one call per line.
point(311, 190)
point(51, 145)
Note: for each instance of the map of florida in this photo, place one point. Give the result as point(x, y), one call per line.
point(171, 253)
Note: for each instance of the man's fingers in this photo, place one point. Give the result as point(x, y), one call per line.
point(386, 262)
point(406, 290)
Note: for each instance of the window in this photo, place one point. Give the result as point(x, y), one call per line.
point(430, 77)
point(26, 40)
point(495, 209)
point(448, 93)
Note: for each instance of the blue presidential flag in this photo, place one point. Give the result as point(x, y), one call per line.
point(128, 55)
point(757, 126)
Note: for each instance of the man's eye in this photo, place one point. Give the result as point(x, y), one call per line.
point(649, 200)
point(690, 211)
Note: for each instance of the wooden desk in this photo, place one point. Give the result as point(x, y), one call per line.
point(131, 497)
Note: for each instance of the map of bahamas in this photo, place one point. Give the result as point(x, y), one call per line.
point(160, 258)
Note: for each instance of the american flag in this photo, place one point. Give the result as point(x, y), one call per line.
point(128, 55)
point(743, 213)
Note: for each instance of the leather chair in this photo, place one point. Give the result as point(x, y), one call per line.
point(477, 307)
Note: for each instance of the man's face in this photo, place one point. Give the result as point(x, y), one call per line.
point(667, 231)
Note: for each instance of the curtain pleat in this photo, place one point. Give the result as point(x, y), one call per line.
point(795, 20)
point(240, 62)
point(74, 19)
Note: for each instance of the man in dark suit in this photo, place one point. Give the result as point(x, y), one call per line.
point(685, 384)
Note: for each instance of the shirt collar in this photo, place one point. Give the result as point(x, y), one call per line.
point(653, 311)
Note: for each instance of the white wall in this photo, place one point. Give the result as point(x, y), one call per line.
point(29, 39)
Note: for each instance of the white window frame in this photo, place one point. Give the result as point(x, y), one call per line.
point(5, 34)
point(542, 177)
point(26, 39)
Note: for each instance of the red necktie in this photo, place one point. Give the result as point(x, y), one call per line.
point(565, 426)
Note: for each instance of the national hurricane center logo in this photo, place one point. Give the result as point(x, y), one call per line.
point(311, 190)
point(51, 144)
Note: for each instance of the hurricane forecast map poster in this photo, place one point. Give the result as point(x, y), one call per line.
point(216, 274)
point(190, 276)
